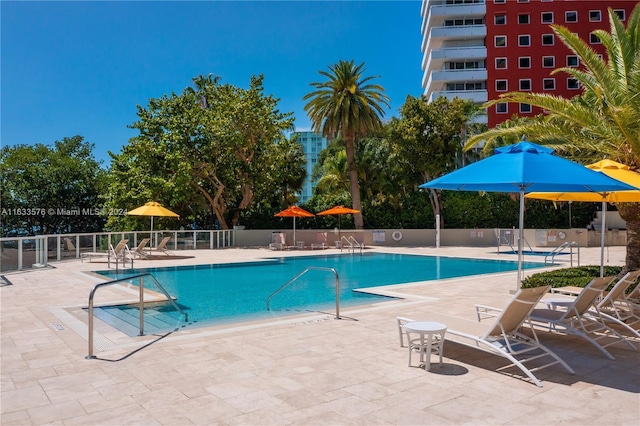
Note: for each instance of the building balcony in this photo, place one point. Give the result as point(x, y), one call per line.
point(435, 14)
point(447, 76)
point(435, 38)
point(451, 54)
point(477, 96)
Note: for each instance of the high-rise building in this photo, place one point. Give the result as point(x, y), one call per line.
point(477, 49)
point(312, 144)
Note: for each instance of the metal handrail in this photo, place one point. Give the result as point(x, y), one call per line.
point(310, 268)
point(560, 248)
point(352, 243)
point(141, 304)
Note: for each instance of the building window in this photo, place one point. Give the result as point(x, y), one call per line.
point(548, 62)
point(547, 17)
point(499, 1)
point(524, 40)
point(501, 108)
point(524, 62)
point(525, 84)
point(620, 13)
point(595, 16)
point(523, 1)
point(594, 39)
point(501, 86)
point(501, 63)
point(571, 16)
point(500, 41)
point(572, 84)
point(547, 39)
point(525, 108)
point(500, 19)
point(549, 84)
point(523, 19)
point(572, 61)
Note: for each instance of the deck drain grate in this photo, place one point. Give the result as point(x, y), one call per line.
point(57, 326)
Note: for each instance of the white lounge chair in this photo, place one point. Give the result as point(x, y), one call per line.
point(502, 336)
point(582, 318)
point(277, 241)
point(402, 331)
point(321, 241)
point(617, 310)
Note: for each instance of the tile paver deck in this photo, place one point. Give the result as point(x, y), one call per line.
point(304, 370)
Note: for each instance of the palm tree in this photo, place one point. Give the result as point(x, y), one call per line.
point(604, 121)
point(347, 105)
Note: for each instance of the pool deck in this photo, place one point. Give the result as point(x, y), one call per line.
point(308, 369)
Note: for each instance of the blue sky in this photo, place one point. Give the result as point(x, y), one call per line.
point(81, 68)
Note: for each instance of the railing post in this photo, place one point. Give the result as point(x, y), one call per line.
point(337, 295)
point(141, 309)
point(90, 325)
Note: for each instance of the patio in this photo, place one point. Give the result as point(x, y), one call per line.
point(308, 369)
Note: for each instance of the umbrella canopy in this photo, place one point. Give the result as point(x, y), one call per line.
point(294, 211)
point(526, 167)
point(612, 169)
point(152, 209)
point(338, 211)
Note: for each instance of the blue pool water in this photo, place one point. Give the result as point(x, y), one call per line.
point(222, 293)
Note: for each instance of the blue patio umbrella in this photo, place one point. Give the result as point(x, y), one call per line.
point(526, 167)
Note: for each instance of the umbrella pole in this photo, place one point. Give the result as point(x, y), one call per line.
point(294, 230)
point(602, 231)
point(520, 236)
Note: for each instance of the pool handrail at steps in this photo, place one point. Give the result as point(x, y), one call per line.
point(352, 243)
point(560, 249)
point(141, 304)
point(310, 268)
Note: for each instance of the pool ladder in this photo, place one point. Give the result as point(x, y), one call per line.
point(560, 249)
point(352, 243)
point(311, 268)
point(141, 304)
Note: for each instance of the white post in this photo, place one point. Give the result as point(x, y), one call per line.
point(437, 231)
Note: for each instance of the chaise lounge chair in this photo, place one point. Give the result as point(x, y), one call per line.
point(139, 252)
point(616, 310)
point(321, 241)
point(115, 253)
point(502, 336)
point(582, 317)
point(161, 247)
point(69, 248)
point(277, 241)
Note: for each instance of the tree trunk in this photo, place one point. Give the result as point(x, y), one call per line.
point(630, 212)
point(353, 182)
point(435, 206)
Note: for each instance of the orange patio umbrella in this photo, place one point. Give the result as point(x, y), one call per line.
point(294, 211)
point(338, 211)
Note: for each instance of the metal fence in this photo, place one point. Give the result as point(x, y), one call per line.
point(21, 253)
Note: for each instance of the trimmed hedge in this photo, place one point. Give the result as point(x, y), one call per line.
point(579, 276)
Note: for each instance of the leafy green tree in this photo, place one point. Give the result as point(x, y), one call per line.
point(604, 121)
point(348, 105)
point(49, 190)
point(331, 171)
point(428, 138)
point(205, 151)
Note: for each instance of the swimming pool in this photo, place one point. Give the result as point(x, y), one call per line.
point(223, 293)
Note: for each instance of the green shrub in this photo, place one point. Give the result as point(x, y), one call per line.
point(578, 277)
